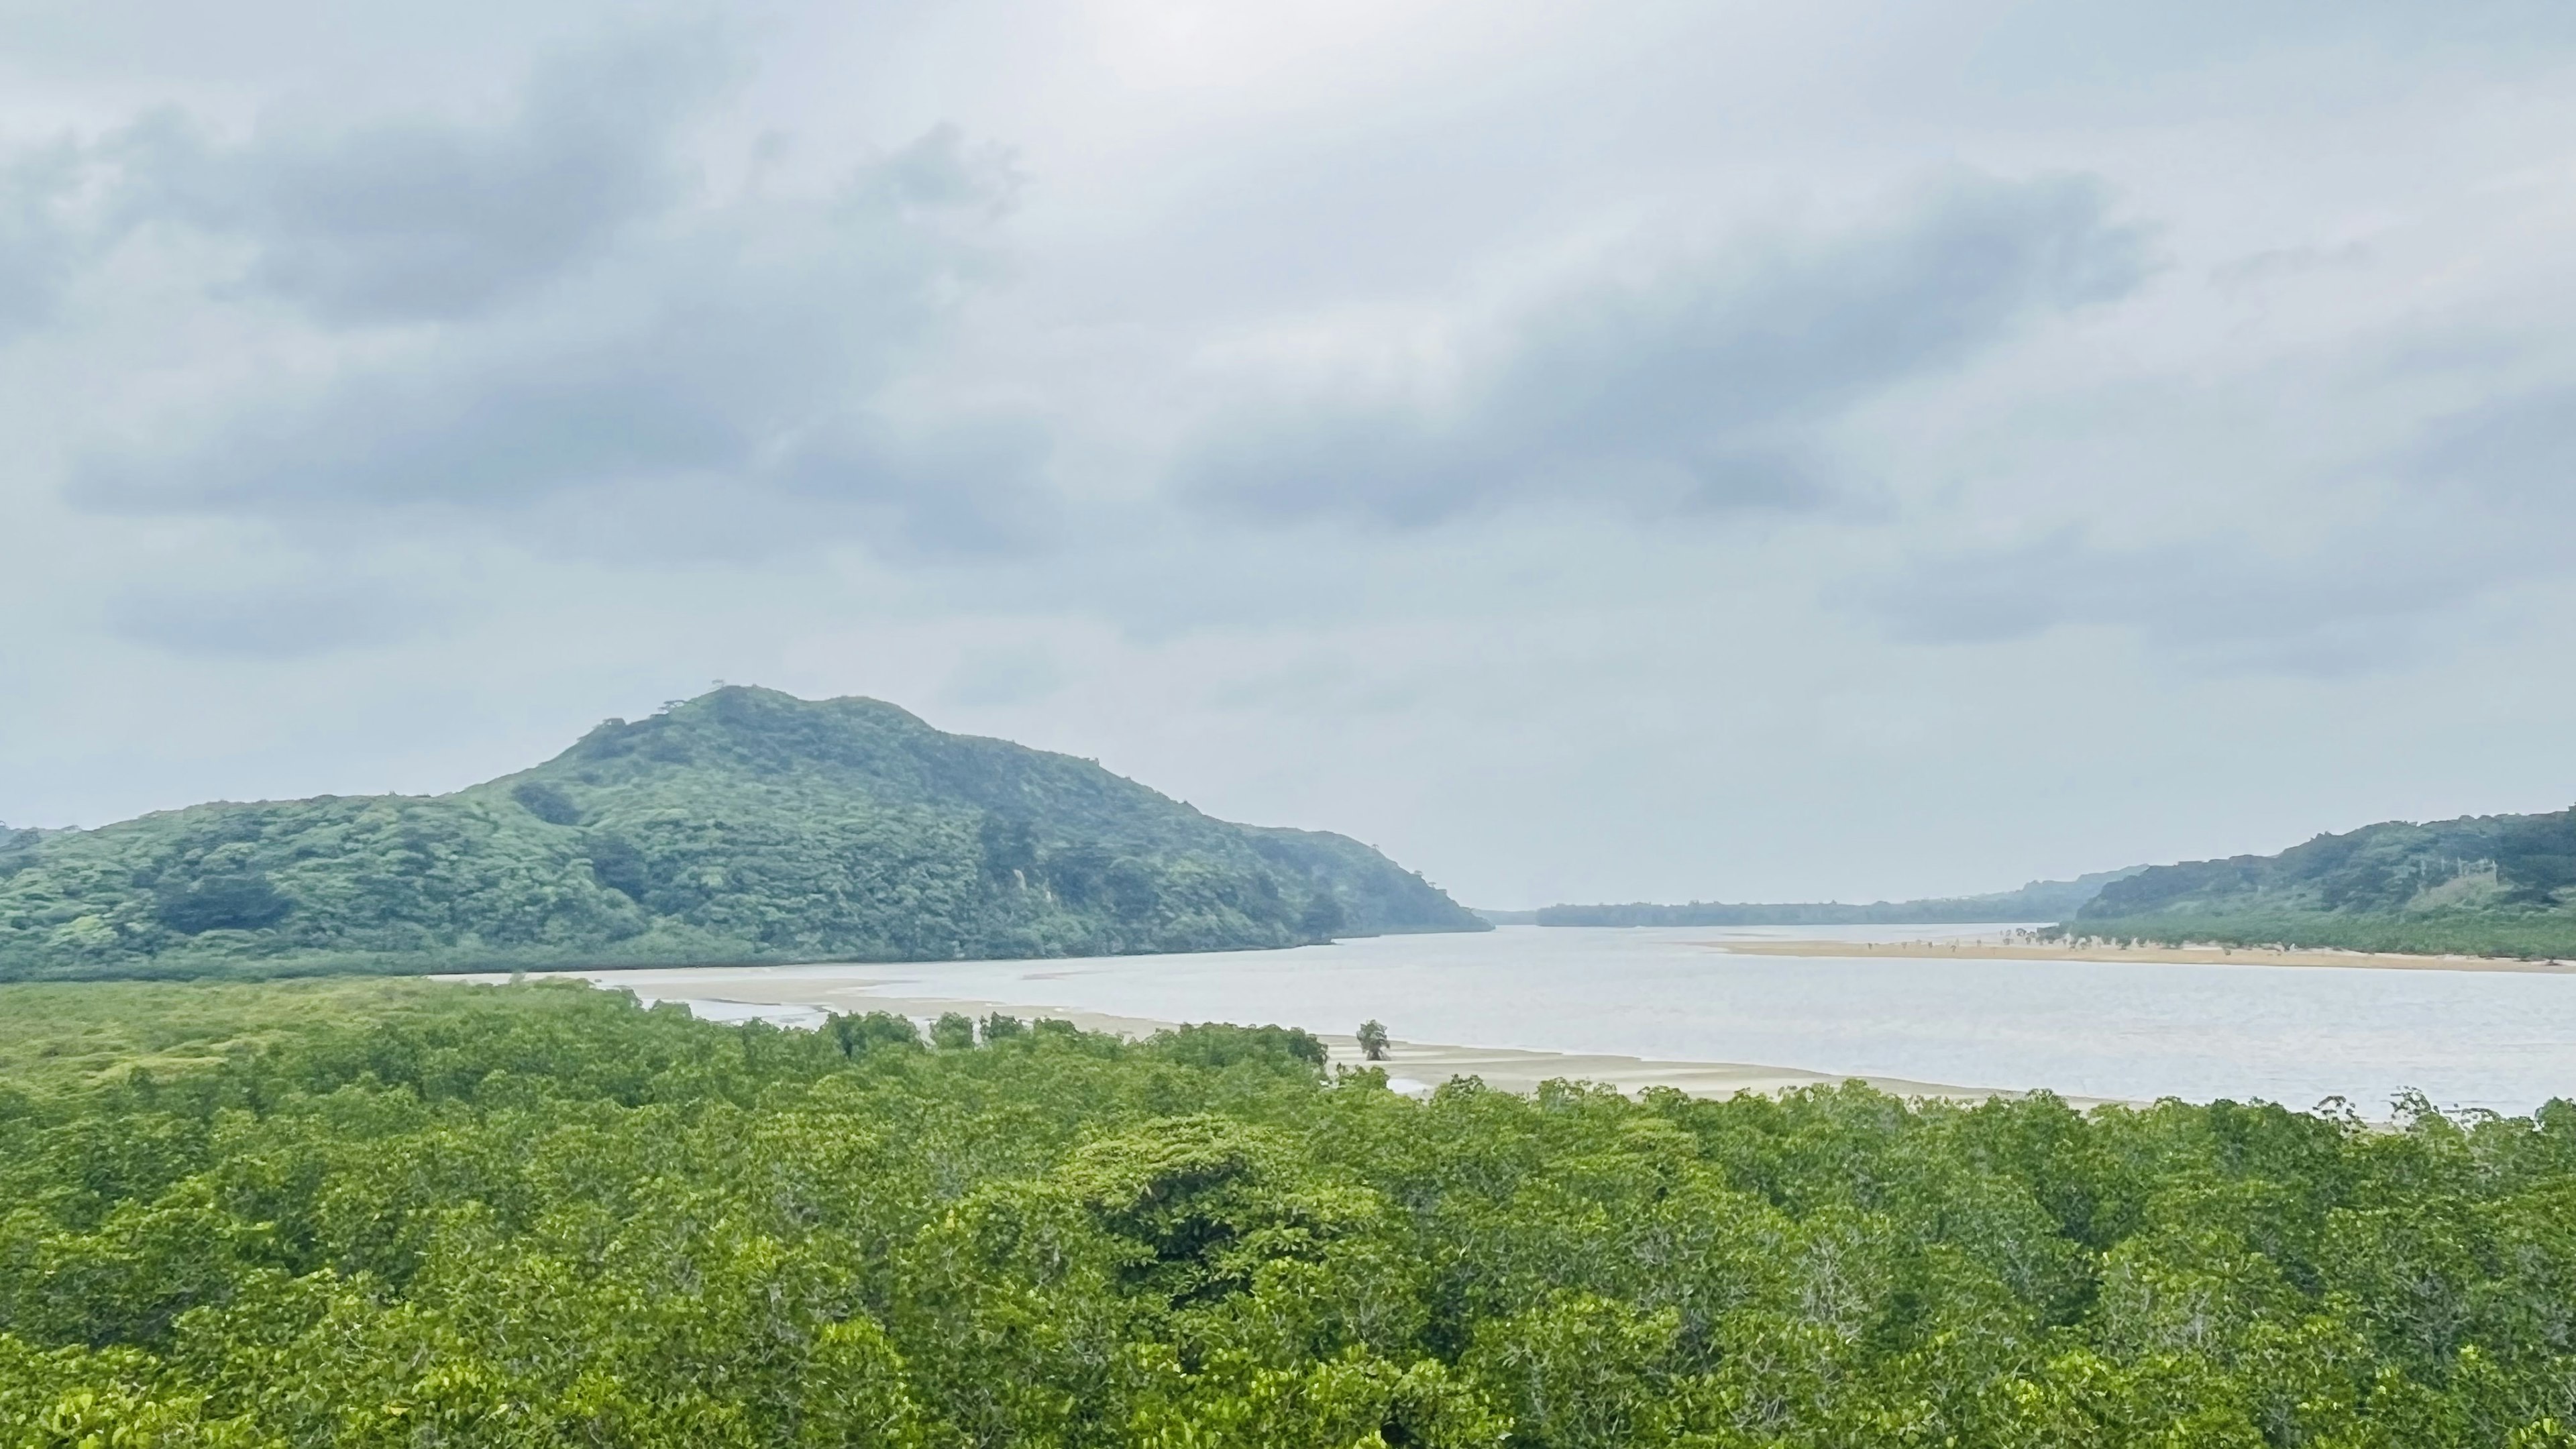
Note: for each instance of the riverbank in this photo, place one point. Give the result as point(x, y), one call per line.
point(1667, 1008)
point(743, 991)
point(1997, 948)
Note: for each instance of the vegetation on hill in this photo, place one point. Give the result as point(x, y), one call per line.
point(2041, 900)
point(402, 1214)
point(745, 825)
point(2491, 885)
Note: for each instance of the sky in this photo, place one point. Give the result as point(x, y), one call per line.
point(1592, 451)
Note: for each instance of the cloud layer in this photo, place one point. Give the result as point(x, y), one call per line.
point(1675, 451)
point(415, 219)
point(548, 309)
point(1705, 381)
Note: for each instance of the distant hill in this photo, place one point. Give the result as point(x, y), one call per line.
point(2492, 885)
point(744, 825)
point(2041, 900)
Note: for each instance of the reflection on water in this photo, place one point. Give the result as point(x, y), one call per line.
point(2110, 1029)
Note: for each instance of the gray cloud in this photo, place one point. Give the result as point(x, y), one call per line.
point(2353, 601)
point(2101, 48)
point(2518, 452)
point(422, 218)
point(2276, 264)
point(1705, 385)
point(1992, 594)
point(968, 488)
point(988, 678)
point(41, 242)
point(2337, 578)
point(731, 358)
point(272, 617)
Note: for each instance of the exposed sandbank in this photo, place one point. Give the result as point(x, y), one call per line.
point(1410, 1065)
point(1996, 948)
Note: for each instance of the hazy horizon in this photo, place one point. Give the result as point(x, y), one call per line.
point(1645, 452)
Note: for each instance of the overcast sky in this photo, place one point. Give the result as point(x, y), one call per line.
point(1603, 450)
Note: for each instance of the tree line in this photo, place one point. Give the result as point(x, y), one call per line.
point(389, 1213)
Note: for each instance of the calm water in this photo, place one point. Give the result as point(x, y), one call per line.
point(2295, 1035)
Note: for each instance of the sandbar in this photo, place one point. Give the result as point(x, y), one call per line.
point(1997, 948)
point(1410, 1066)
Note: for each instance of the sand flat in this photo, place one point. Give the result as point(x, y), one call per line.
point(1409, 1066)
point(1520, 1070)
point(1996, 948)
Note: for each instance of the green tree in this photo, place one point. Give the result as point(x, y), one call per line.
point(406, 1213)
point(744, 825)
point(1372, 1041)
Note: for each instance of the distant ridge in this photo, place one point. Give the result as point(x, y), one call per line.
point(744, 825)
point(2040, 900)
point(2486, 885)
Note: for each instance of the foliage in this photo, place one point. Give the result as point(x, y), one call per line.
point(742, 826)
point(2489, 885)
point(1372, 1040)
point(54, 1037)
point(410, 1214)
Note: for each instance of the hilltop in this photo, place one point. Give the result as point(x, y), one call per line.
point(2040, 900)
point(745, 825)
point(2487, 885)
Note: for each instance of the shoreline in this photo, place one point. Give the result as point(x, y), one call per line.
point(1412, 1067)
point(1993, 948)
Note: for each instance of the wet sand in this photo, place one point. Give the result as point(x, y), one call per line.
point(1411, 1066)
point(1996, 948)
point(1517, 1070)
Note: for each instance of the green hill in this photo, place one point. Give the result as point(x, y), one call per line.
point(2489, 885)
point(744, 825)
point(2041, 900)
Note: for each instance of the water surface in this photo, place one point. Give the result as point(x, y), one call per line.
point(2110, 1030)
point(2499, 1040)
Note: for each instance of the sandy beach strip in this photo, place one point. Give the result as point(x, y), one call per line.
point(1411, 1066)
point(1995, 948)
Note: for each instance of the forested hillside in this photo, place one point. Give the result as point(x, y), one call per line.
point(2499, 885)
point(2041, 900)
point(371, 1213)
point(745, 825)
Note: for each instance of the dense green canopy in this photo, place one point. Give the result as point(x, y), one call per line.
point(745, 825)
point(2491, 885)
point(396, 1213)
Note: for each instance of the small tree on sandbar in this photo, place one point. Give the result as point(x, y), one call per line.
point(1372, 1039)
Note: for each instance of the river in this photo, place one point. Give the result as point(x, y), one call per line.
point(2504, 1041)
